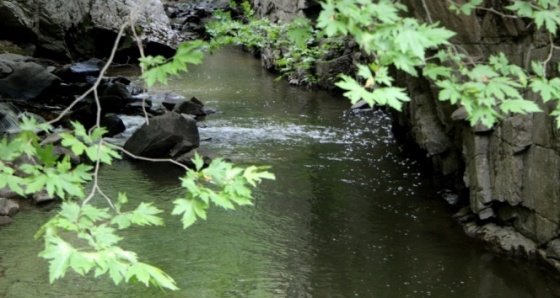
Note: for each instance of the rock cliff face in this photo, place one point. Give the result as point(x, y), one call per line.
point(511, 172)
point(74, 28)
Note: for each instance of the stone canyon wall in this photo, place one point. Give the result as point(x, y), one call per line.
point(74, 29)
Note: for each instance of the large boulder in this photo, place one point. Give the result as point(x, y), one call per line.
point(167, 136)
point(75, 28)
point(23, 79)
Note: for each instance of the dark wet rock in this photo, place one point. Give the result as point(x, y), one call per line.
point(24, 80)
point(117, 89)
point(135, 102)
point(186, 159)
point(191, 107)
point(166, 136)
point(328, 71)
point(114, 125)
point(209, 111)
point(486, 213)
point(5, 70)
point(82, 28)
point(464, 215)
point(197, 101)
point(71, 90)
point(504, 240)
point(5, 220)
point(459, 114)
point(449, 196)
point(85, 112)
point(553, 249)
point(113, 104)
point(80, 70)
point(190, 17)
point(42, 197)
point(8, 207)
point(7, 193)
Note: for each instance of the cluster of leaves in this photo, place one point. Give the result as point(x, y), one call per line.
point(27, 166)
point(158, 69)
point(499, 86)
point(544, 12)
point(84, 238)
point(385, 36)
point(487, 91)
point(297, 46)
point(220, 183)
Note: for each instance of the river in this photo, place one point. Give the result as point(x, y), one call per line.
point(350, 214)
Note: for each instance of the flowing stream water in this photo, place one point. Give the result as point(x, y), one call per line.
point(350, 215)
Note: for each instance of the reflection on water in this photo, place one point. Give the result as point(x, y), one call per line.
point(349, 215)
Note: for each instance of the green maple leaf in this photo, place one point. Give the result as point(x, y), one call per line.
point(355, 90)
point(543, 87)
point(522, 8)
point(186, 208)
point(434, 71)
point(45, 154)
point(549, 18)
point(58, 252)
point(392, 96)
point(449, 91)
point(521, 106)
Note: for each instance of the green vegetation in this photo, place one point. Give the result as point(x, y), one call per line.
point(297, 46)
point(488, 90)
point(84, 238)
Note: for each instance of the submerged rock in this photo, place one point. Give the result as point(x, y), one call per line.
point(8, 207)
point(5, 220)
point(192, 107)
point(42, 197)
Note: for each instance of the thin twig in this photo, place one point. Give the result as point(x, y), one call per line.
point(168, 160)
point(106, 198)
point(95, 188)
point(428, 15)
point(142, 70)
point(499, 13)
point(550, 53)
